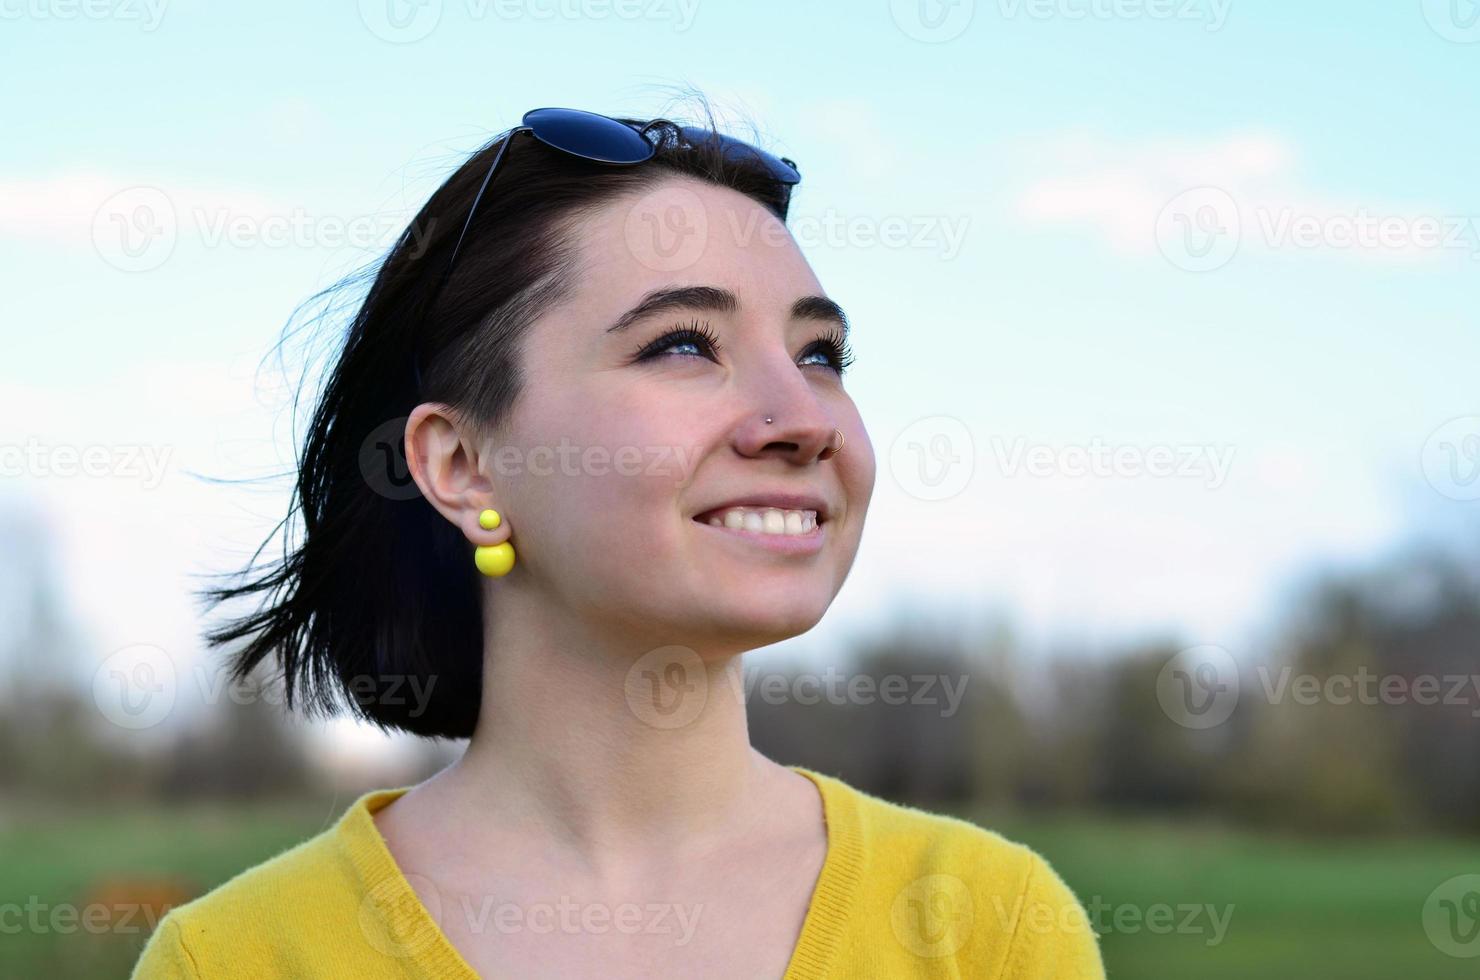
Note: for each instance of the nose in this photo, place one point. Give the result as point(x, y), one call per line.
point(801, 427)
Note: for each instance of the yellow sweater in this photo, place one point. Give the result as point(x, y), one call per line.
point(902, 893)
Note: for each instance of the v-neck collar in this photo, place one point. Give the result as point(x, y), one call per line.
point(394, 920)
point(833, 897)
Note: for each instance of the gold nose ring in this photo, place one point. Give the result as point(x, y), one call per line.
point(829, 452)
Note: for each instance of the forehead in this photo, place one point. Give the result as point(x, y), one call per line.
point(685, 230)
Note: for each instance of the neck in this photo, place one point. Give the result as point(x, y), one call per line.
point(589, 739)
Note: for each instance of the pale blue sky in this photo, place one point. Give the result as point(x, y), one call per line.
point(1053, 135)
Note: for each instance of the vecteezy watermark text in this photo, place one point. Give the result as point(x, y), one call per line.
point(1101, 459)
point(39, 917)
point(408, 21)
point(1203, 229)
point(569, 917)
point(137, 229)
point(384, 468)
point(1212, 14)
point(147, 13)
point(1368, 687)
point(138, 686)
point(34, 458)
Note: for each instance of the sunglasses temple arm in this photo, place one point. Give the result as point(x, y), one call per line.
point(487, 179)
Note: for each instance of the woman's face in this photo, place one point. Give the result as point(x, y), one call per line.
point(618, 455)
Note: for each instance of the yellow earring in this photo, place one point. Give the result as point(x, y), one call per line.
point(493, 560)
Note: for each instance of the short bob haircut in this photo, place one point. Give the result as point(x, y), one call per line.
point(381, 591)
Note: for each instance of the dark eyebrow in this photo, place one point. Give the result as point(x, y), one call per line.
point(710, 299)
point(714, 299)
point(820, 308)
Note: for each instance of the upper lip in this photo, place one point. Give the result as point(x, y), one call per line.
point(781, 501)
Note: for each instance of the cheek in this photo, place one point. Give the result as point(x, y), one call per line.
point(645, 446)
point(859, 470)
point(870, 469)
point(611, 538)
point(859, 485)
point(602, 486)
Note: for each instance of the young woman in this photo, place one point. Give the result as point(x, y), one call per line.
point(617, 389)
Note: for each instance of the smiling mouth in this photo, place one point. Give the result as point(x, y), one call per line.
point(764, 521)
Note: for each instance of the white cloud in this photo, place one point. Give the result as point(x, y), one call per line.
point(55, 208)
point(62, 208)
point(113, 212)
point(1120, 189)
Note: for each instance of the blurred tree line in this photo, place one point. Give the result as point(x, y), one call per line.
point(931, 713)
point(1384, 734)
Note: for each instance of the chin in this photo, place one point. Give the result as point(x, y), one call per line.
point(761, 622)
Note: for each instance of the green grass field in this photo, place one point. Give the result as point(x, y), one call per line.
point(1292, 908)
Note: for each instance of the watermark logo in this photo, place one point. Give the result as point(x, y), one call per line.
point(570, 917)
point(1105, 461)
point(1212, 14)
point(1202, 229)
point(933, 458)
point(138, 687)
point(1366, 687)
point(408, 21)
point(135, 230)
point(1199, 230)
point(667, 229)
point(1451, 458)
point(1199, 686)
point(148, 13)
point(932, 21)
point(385, 469)
point(114, 912)
point(668, 687)
point(135, 687)
point(35, 459)
point(401, 21)
point(834, 687)
point(1161, 919)
point(1453, 20)
point(943, 234)
point(663, 232)
point(932, 916)
point(383, 461)
point(384, 921)
point(1451, 917)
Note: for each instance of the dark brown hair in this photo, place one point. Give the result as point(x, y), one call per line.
point(379, 593)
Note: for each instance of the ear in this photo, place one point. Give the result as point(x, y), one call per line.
point(443, 453)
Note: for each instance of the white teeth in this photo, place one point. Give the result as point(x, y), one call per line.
point(766, 520)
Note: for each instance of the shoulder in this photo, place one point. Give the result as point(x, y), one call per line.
point(254, 923)
point(952, 888)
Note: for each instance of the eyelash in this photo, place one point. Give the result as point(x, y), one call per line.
point(832, 343)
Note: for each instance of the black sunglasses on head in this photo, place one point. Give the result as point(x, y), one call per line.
point(602, 139)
